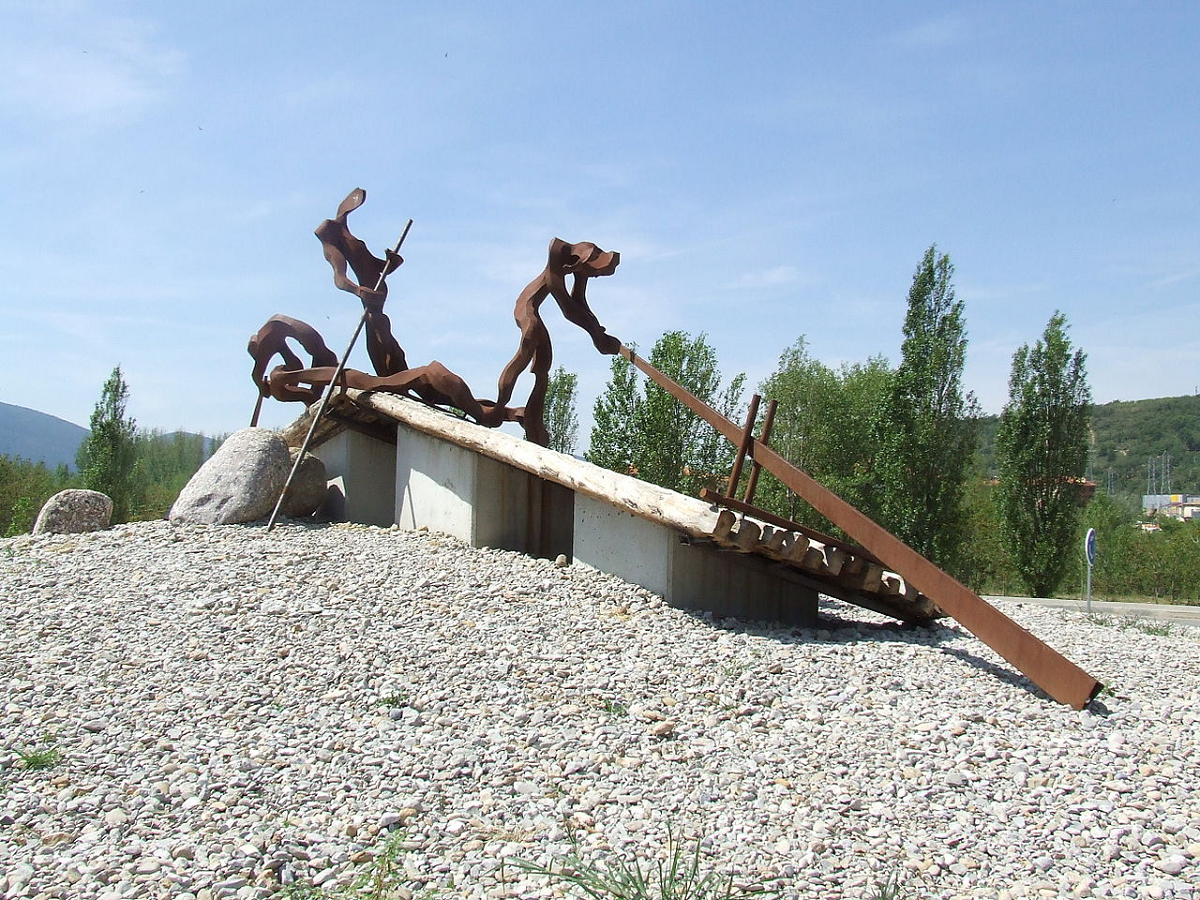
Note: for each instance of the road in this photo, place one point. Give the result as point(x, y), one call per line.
point(1175, 614)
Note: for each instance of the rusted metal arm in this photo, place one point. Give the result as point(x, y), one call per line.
point(1044, 666)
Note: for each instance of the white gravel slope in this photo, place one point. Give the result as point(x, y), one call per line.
point(237, 710)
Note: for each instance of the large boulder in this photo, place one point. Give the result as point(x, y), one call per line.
point(74, 511)
point(239, 483)
point(308, 489)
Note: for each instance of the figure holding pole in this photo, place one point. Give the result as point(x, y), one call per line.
point(339, 252)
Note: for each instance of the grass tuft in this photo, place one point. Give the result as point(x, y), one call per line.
point(678, 877)
point(45, 756)
point(891, 888)
point(380, 879)
point(1151, 626)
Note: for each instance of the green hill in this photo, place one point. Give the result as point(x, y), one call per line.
point(1126, 434)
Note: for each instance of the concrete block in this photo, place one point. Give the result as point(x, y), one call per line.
point(621, 544)
point(477, 499)
point(362, 474)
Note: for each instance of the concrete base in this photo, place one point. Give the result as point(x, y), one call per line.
point(486, 503)
point(427, 482)
point(357, 466)
point(687, 576)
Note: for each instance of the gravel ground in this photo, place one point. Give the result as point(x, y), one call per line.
point(237, 711)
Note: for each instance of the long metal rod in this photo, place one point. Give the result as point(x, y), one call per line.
point(331, 387)
point(1044, 666)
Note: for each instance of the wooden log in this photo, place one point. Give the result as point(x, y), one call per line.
point(836, 559)
point(723, 530)
point(853, 566)
point(806, 555)
point(328, 428)
point(748, 535)
point(869, 580)
point(774, 545)
point(689, 515)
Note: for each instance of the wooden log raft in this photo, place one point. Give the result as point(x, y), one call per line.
point(835, 571)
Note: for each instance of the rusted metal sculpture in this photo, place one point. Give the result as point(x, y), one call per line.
point(437, 385)
point(581, 261)
point(432, 383)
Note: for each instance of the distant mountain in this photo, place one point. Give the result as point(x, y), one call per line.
point(38, 437)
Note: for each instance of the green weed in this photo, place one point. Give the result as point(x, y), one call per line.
point(891, 888)
point(678, 877)
point(1151, 626)
point(380, 879)
point(394, 700)
point(614, 708)
point(45, 756)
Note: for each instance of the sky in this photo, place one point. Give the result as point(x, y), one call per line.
point(768, 172)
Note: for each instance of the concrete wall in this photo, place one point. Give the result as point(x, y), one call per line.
point(688, 576)
point(357, 466)
point(486, 503)
point(428, 482)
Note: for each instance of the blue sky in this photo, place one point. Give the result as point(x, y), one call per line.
point(767, 170)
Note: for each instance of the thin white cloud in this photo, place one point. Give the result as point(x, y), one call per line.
point(95, 69)
point(939, 33)
point(1168, 280)
point(775, 276)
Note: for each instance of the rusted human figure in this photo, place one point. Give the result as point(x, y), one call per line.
point(583, 261)
point(432, 383)
point(341, 249)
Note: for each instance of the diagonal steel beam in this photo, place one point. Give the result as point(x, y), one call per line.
point(1043, 665)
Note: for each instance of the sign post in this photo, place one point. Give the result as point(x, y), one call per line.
point(1089, 547)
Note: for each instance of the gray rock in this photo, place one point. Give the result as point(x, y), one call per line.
point(308, 489)
point(74, 511)
point(239, 483)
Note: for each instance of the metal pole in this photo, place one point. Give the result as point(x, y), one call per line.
point(743, 446)
point(748, 497)
point(329, 388)
point(257, 408)
point(1089, 588)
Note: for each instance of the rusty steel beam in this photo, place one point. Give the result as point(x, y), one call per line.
point(765, 437)
point(1044, 666)
point(743, 445)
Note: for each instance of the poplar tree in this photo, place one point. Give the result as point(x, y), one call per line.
point(676, 448)
point(926, 427)
point(614, 429)
point(823, 425)
point(562, 422)
point(1041, 452)
point(648, 433)
point(107, 459)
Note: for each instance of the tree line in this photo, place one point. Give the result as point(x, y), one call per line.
point(902, 444)
point(142, 470)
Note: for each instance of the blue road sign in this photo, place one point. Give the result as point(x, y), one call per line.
point(1089, 544)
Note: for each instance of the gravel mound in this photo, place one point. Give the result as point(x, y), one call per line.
point(236, 711)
